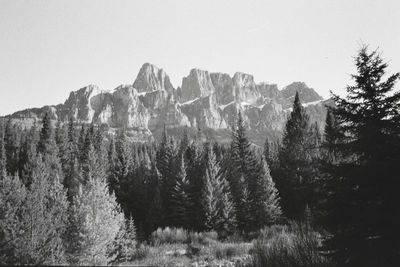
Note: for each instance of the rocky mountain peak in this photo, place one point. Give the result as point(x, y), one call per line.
point(306, 93)
point(209, 101)
point(151, 78)
point(197, 84)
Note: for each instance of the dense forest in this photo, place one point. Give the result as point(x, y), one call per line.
point(73, 194)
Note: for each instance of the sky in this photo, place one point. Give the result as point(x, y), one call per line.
point(49, 48)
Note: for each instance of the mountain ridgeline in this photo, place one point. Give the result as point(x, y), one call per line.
point(205, 100)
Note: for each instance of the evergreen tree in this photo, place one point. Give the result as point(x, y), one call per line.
point(125, 242)
point(44, 219)
point(195, 170)
point(179, 196)
point(96, 220)
point(212, 191)
point(3, 158)
point(155, 215)
point(362, 200)
point(219, 211)
point(92, 162)
point(239, 170)
point(12, 146)
point(12, 199)
point(295, 173)
point(47, 147)
point(165, 159)
point(122, 172)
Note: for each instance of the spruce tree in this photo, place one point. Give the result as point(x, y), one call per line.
point(43, 219)
point(3, 158)
point(155, 214)
point(125, 242)
point(362, 200)
point(47, 147)
point(294, 175)
point(241, 168)
point(96, 220)
point(212, 191)
point(12, 199)
point(195, 170)
point(12, 146)
point(219, 211)
point(165, 159)
point(179, 196)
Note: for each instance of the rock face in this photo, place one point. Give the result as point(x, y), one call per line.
point(207, 101)
point(151, 78)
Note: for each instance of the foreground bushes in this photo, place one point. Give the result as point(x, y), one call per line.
point(181, 236)
point(295, 245)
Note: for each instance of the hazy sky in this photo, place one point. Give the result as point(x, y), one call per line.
point(49, 48)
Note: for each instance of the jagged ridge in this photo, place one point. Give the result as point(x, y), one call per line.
point(205, 100)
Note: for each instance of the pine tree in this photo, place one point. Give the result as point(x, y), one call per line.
point(122, 172)
point(47, 147)
point(295, 173)
point(195, 170)
point(96, 220)
point(179, 196)
point(239, 169)
point(165, 159)
point(12, 199)
point(269, 194)
point(219, 211)
point(362, 200)
point(125, 242)
point(92, 163)
point(12, 146)
point(43, 220)
point(212, 191)
point(155, 214)
point(3, 158)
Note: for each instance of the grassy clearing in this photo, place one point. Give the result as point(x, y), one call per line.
point(276, 246)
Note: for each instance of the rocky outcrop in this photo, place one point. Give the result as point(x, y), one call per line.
point(197, 84)
point(209, 101)
point(152, 78)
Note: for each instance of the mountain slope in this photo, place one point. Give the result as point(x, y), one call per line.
point(207, 101)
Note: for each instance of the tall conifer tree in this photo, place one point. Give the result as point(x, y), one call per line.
point(363, 198)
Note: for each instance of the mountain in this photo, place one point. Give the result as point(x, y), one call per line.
point(205, 100)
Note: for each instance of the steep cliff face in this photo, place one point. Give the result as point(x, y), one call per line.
point(197, 84)
point(152, 78)
point(209, 101)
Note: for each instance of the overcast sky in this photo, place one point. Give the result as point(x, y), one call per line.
point(49, 48)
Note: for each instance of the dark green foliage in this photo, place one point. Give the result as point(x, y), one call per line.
point(12, 200)
point(254, 192)
point(33, 219)
point(295, 173)
point(12, 146)
point(179, 196)
point(219, 211)
point(362, 186)
point(296, 245)
point(95, 221)
point(3, 158)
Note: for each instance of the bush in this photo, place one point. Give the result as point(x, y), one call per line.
point(140, 253)
point(202, 238)
point(295, 245)
point(230, 250)
point(168, 236)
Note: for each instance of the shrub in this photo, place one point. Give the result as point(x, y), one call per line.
point(202, 238)
point(169, 236)
point(141, 252)
point(230, 250)
point(295, 245)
